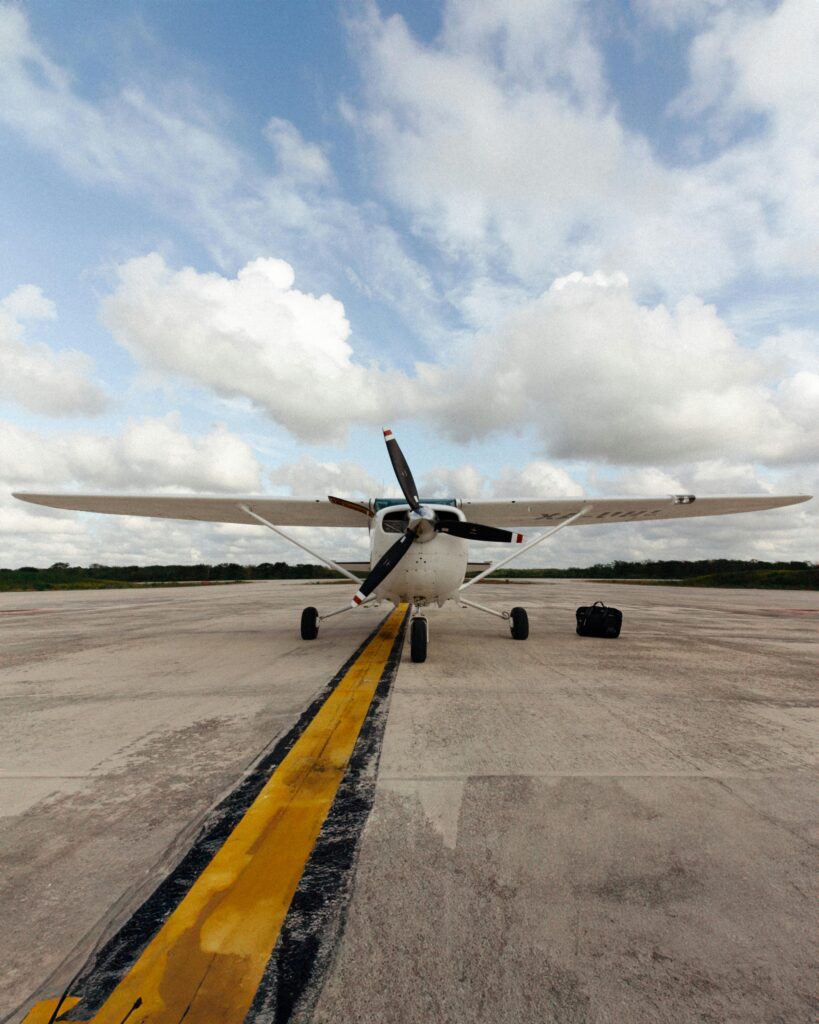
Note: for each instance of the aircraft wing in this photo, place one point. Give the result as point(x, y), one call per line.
point(521, 512)
point(525, 512)
point(279, 511)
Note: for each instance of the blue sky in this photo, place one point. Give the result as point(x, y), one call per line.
point(559, 247)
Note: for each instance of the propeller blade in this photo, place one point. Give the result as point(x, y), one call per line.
point(384, 566)
point(402, 470)
point(355, 506)
point(474, 531)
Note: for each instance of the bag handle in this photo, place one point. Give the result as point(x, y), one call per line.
point(596, 603)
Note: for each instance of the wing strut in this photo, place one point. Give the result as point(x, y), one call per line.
point(298, 543)
point(531, 544)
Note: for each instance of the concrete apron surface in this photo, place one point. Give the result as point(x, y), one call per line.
point(563, 829)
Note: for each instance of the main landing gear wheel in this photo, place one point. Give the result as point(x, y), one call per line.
point(309, 624)
point(519, 624)
point(419, 635)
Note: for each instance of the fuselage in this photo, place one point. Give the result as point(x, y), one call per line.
point(434, 567)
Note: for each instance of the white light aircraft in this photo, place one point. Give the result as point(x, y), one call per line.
point(418, 546)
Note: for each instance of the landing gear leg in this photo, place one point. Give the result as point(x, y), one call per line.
point(419, 635)
point(310, 618)
point(518, 619)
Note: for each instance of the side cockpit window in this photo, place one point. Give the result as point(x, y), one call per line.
point(394, 522)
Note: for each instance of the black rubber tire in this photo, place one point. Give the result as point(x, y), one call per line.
point(519, 624)
point(418, 639)
point(309, 624)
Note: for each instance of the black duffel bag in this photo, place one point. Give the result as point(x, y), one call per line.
point(598, 620)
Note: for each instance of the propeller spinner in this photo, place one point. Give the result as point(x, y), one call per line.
point(421, 523)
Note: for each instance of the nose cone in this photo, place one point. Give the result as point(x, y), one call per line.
point(422, 523)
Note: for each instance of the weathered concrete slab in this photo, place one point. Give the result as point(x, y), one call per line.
point(575, 830)
point(124, 715)
point(564, 829)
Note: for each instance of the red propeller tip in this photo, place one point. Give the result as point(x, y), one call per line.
point(387, 434)
point(359, 597)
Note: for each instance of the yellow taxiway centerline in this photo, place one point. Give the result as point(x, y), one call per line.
point(206, 962)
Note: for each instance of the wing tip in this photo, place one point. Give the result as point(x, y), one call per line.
point(790, 499)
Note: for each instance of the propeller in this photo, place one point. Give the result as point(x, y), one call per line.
point(402, 471)
point(385, 565)
point(420, 519)
point(474, 531)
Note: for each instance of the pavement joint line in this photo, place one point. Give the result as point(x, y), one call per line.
point(206, 961)
point(42, 775)
point(477, 776)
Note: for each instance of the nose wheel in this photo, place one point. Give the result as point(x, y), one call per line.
point(419, 635)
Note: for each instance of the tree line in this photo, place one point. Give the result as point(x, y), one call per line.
point(671, 569)
point(61, 574)
point(705, 572)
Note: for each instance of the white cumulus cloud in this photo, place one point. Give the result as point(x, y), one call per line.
point(35, 375)
point(539, 479)
point(503, 141)
point(599, 376)
point(310, 477)
point(672, 14)
point(301, 160)
point(148, 455)
point(592, 371)
point(453, 482)
point(254, 336)
point(171, 146)
point(755, 61)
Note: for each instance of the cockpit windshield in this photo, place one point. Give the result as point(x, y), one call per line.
point(381, 503)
